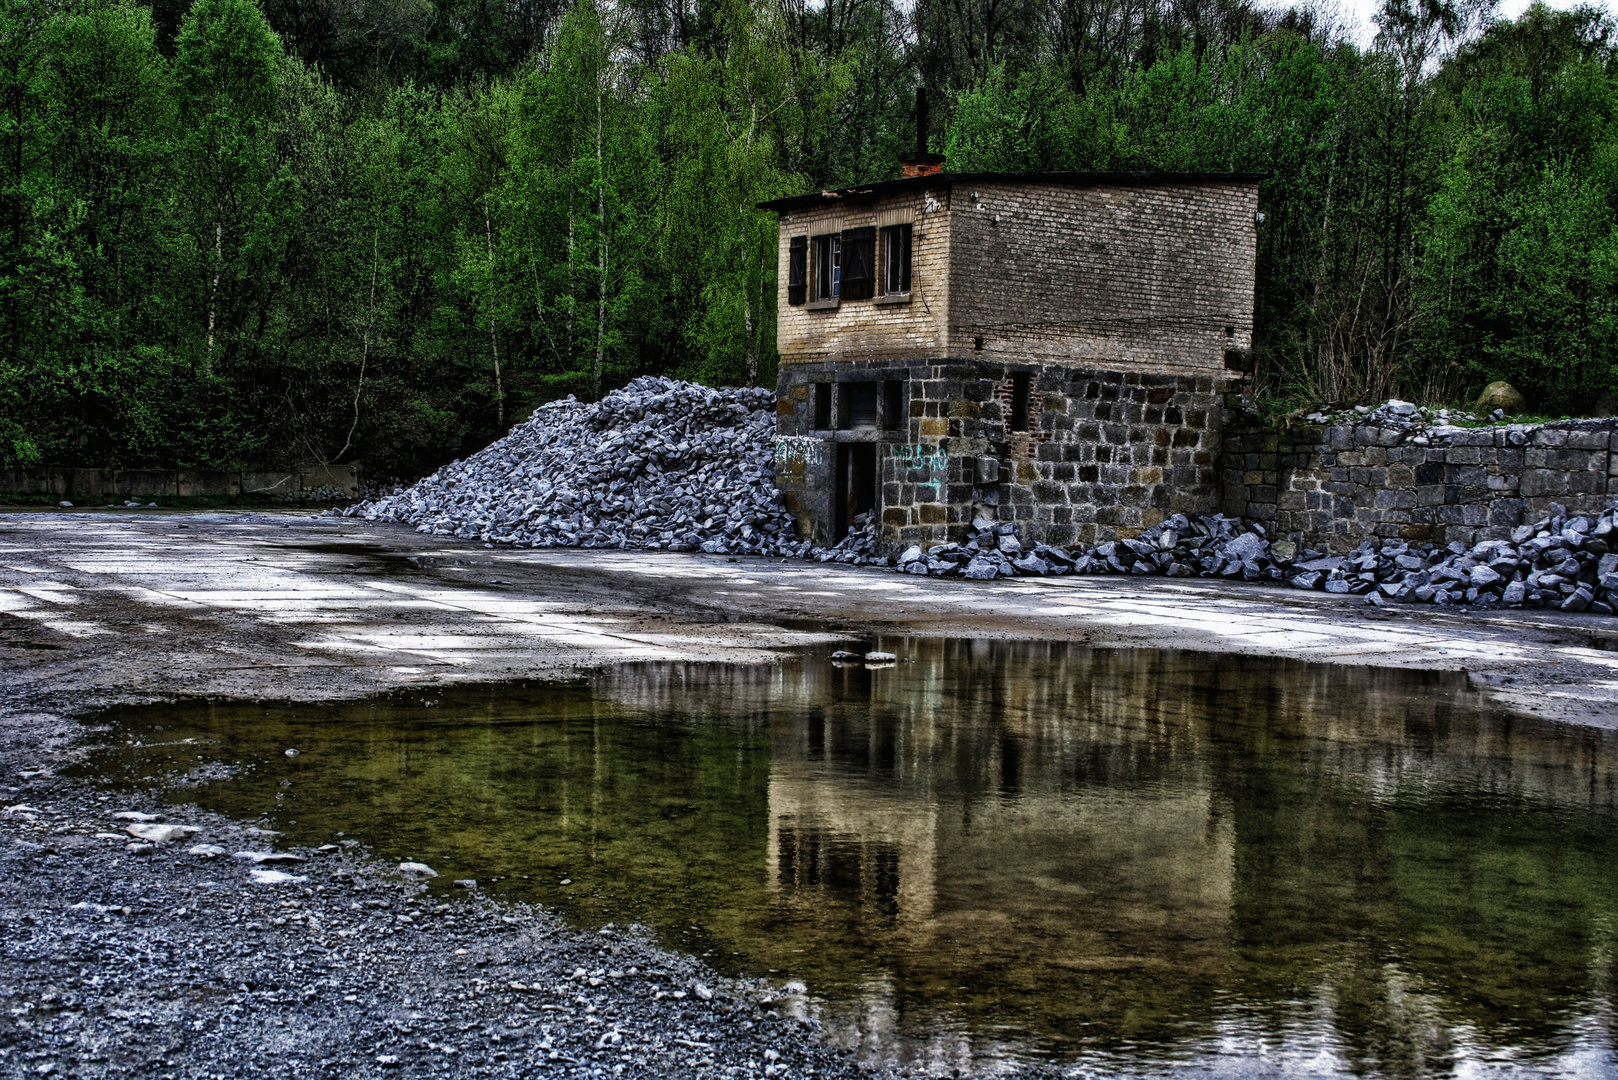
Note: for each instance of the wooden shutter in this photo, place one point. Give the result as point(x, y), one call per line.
point(797, 268)
point(859, 263)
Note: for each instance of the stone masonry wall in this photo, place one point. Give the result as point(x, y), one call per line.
point(1336, 485)
point(1155, 277)
point(1108, 452)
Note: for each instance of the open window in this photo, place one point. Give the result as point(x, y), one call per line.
point(823, 406)
point(826, 256)
point(896, 260)
point(893, 399)
point(797, 269)
point(860, 405)
point(1021, 385)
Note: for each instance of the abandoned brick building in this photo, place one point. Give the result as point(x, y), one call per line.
point(1049, 349)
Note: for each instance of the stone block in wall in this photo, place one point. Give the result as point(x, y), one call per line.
point(1589, 440)
point(1539, 482)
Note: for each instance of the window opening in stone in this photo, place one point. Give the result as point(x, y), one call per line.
point(896, 259)
point(823, 406)
point(1019, 401)
point(859, 405)
point(828, 256)
point(893, 399)
point(856, 485)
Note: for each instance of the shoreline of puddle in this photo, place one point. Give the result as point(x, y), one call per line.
point(985, 820)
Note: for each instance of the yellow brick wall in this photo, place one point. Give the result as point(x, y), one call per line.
point(1154, 278)
point(1147, 277)
point(868, 329)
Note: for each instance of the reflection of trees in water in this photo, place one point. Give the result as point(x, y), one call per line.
point(1076, 847)
point(1115, 835)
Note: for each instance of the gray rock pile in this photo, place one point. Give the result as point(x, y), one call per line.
point(659, 464)
point(1557, 562)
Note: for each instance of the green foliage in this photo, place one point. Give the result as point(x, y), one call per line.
point(233, 234)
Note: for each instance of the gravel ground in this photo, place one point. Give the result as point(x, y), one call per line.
point(127, 958)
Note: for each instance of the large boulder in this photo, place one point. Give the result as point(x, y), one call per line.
point(1501, 395)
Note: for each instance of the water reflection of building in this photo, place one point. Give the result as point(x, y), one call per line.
point(1107, 848)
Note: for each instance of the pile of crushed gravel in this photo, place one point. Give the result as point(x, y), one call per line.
point(660, 464)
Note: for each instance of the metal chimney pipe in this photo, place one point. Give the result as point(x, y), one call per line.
point(921, 121)
point(921, 163)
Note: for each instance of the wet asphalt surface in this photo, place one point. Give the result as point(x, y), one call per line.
point(121, 956)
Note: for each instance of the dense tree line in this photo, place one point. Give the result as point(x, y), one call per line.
point(234, 232)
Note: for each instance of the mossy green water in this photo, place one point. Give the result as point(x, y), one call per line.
point(1135, 858)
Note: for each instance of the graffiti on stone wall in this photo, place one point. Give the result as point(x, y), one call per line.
point(934, 459)
point(930, 463)
point(795, 455)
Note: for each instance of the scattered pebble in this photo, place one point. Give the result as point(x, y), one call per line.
point(161, 834)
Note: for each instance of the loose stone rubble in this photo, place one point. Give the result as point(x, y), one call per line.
point(1400, 416)
point(671, 465)
point(659, 464)
point(1557, 562)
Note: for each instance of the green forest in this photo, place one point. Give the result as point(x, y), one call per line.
point(235, 232)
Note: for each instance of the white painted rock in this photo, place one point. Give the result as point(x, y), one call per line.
point(417, 869)
point(206, 851)
point(259, 857)
point(274, 877)
point(161, 834)
point(136, 815)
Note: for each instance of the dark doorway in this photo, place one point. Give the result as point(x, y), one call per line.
point(856, 483)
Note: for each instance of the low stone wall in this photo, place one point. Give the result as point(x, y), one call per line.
point(73, 484)
point(1336, 485)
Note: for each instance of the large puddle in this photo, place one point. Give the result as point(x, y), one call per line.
point(1131, 861)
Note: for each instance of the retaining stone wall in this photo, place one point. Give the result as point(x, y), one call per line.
point(1334, 486)
point(152, 483)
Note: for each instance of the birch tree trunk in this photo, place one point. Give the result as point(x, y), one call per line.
point(494, 337)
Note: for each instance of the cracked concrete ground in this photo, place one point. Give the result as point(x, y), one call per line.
point(126, 605)
point(99, 608)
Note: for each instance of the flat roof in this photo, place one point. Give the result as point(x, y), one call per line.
point(864, 193)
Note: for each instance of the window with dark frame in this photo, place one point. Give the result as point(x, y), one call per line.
point(797, 269)
point(823, 406)
point(827, 269)
point(896, 260)
point(1020, 385)
point(893, 398)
